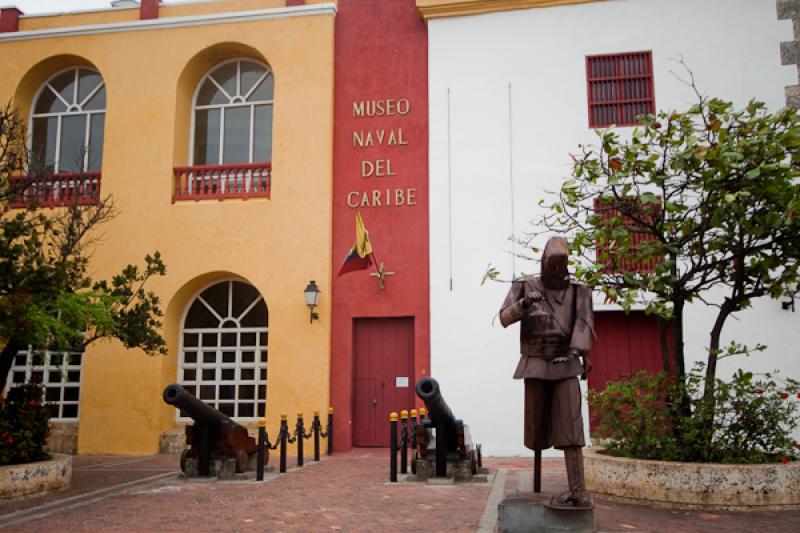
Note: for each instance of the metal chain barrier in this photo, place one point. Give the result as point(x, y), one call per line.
point(406, 426)
point(286, 437)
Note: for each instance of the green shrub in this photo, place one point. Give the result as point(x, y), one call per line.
point(24, 425)
point(753, 419)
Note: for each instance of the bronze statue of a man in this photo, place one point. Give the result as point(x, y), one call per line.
point(556, 333)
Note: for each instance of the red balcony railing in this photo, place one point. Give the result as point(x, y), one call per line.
point(53, 190)
point(204, 182)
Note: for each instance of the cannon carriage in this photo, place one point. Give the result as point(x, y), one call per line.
point(217, 445)
point(443, 445)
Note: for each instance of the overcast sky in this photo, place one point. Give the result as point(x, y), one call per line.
point(30, 7)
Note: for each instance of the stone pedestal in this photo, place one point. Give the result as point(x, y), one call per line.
point(224, 469)
point(529, 512)
point(458, 470)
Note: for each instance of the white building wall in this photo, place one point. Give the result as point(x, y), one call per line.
point(538, 57)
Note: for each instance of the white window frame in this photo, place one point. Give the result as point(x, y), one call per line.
point(238, 365)
point(47, 369)
point(73, 109)
point(236, 101)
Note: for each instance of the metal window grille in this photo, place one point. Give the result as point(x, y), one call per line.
point(620, 88)
point(60, 372)
point(224, 350)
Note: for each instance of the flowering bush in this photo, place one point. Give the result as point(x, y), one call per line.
point(752, 422)
point(24, 425)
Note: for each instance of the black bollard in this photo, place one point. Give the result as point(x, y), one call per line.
point(480, 455)
point(262, 441)
point(393, 447)
point(315, 429)
point(403, 441)
point(329, 431)
point(283, 436)
point(299, 432)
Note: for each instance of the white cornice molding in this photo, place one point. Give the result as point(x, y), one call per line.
point(430, 9)
point(175, 22)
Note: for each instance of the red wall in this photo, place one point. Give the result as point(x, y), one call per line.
point(381, 54)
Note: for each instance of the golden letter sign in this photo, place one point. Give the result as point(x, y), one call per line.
point(384, 195)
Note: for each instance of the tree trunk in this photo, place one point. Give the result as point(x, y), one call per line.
point(663, 338)
point(682, 405)
point(709, 402)
point(7, 360)
point(677, 336)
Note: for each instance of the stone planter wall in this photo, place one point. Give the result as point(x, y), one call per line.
point(35, 478)
point(698, 485)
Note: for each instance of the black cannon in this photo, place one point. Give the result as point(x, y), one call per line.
point(451, 442)
point(212, 436)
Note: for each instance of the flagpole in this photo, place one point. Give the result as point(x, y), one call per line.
point(375, 261)
point(374, 257)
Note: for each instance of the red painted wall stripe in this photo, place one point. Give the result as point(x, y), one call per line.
point(382, 62)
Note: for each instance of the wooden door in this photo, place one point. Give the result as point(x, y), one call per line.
point(383, 353)
point(625, 344)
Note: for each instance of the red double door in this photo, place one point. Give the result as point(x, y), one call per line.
point(383, 376)
point(625, 344)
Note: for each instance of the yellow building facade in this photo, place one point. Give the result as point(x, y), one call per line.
point(151, 71)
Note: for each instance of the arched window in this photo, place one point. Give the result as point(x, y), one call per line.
point(67, 122)
point(224, 349)
point(232, 134)
point(233, 114)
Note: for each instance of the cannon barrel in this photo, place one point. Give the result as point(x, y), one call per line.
point(199, 411)
point(438, 411)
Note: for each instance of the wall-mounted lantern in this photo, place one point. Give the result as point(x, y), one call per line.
point(791, 294)
point(312, 297)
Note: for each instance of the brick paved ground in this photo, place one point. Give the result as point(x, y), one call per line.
point(347, 492)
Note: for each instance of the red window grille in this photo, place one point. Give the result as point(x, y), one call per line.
point(616, 261)
point(620, 88)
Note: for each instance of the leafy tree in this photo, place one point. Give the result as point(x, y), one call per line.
point(709, 198)
point(48, 298)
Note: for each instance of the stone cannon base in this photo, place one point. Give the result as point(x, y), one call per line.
point(456, 470)
point(221, 468)
point(528, 512)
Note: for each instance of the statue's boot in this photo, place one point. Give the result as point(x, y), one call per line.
point(576, 496)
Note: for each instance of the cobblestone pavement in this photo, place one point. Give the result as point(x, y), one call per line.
point(347, 492)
